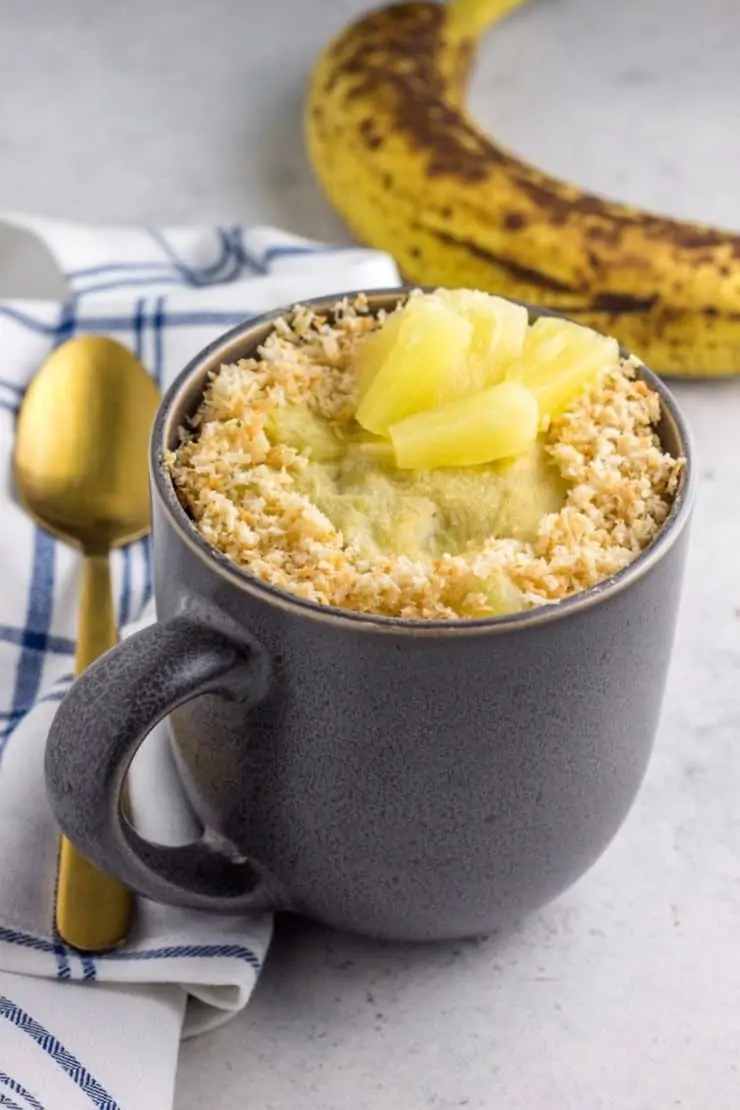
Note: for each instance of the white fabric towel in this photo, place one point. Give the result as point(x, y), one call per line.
point(77, 1032)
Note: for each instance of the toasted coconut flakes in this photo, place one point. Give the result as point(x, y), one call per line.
point(241, 489)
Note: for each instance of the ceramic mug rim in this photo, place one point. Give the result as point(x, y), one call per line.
point(217, 563)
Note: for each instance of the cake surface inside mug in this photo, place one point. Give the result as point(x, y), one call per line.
point(447, 460)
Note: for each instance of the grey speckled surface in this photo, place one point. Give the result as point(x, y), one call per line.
point(624, 994)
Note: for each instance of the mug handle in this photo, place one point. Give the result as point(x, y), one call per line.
point(96, 732)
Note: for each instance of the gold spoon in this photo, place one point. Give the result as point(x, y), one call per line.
point(81, 462)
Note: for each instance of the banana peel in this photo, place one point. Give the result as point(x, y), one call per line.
point(411, 173)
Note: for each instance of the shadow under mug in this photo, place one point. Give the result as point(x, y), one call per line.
point(402, 779)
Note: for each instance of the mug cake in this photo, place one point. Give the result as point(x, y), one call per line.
point(445, 460)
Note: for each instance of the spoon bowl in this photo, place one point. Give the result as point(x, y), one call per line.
point(81, 444)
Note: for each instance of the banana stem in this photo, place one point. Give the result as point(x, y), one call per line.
point(471, 17)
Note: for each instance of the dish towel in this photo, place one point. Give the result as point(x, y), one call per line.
point(79, 1032)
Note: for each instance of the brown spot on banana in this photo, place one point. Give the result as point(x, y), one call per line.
point(621, 303)
point(518, 273)
point(515, 221)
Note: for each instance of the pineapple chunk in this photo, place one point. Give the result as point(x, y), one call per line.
point(499, 330)
point(428, 354)
point(493, 424)
point(560, 360)
point(375, 348)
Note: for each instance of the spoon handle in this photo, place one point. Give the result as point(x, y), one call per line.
point(93, 910)
point(96, 625)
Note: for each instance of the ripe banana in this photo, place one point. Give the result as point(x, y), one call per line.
point(412, 174)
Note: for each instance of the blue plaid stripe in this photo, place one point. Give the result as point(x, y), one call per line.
point(25, 940)
point(234, 258)
point(231, 261)
point(175, 952)
point(59, 948)
point(11, 717)
point(40, 327)
point(6, 1100)
point(64, 971)
point(249, 261)
point(189, 951)
point(157, 325)
point(88, 969)
point(118, 268)
point(124, 607)
point(167, 952)
point(53, 1048)
point(55, 947)
point(18, 1089)
point(273, 254)
point(87, 325)
point(137, 327)
point(129, 283)
point(148, 572)
point(10, 396)
point(34, 637)
point(36, 641)
point(206, 275)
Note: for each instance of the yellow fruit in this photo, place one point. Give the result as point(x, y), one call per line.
point(374, 349)
point(427, 356)
point(437, 347)
point(499, 330)
point(494, 424)
point(560, 360)
point(405, 165)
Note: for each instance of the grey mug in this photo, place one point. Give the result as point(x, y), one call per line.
point(402, 779)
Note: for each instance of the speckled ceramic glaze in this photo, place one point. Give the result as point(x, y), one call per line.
point(401, 779)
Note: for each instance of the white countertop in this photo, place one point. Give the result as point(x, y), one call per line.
point(624, 994)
